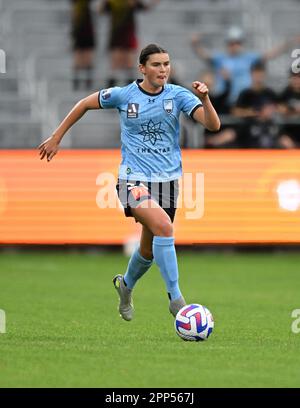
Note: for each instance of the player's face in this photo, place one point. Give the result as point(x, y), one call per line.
point(156, 70)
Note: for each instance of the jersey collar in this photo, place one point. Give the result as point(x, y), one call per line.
point(138, 81)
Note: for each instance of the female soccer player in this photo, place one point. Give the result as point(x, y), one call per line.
point(147, 187)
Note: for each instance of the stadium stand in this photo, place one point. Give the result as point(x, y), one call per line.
point(36, 90)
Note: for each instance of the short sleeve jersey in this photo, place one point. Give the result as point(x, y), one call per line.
point(150, 129)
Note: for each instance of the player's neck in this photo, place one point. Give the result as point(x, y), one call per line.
point(148, 87)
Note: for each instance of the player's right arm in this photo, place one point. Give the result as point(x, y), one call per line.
point(50, 146)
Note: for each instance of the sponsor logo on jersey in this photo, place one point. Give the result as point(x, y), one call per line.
point(106, 94)
point(152, 132)
point(133, 110)
point(139, 191)
point(168, 105)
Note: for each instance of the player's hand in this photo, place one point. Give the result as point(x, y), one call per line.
point(48, 148)
point(201, 88)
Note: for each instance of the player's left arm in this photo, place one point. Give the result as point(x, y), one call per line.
point(205, 114)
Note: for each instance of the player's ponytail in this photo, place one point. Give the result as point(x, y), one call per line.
point(149, 50)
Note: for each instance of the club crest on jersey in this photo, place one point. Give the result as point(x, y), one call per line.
point(168, 105)
point(133, 110)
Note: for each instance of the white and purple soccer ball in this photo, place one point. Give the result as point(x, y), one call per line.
point(194, 322)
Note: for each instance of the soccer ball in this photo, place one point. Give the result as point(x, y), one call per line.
point(194, 323)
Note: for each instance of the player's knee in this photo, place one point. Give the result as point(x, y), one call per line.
point(165, 228)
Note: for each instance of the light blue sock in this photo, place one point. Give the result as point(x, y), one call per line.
point(137, 266)
point(165, 257)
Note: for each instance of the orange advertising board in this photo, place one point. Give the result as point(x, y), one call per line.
point(232, 196)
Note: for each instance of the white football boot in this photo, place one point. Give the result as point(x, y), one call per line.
point(176, 305)
point(126, 305)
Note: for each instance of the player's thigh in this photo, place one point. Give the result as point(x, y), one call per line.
point(150, 214)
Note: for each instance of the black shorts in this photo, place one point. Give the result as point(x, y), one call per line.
point(133, 193)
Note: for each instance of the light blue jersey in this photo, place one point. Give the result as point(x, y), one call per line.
point(150, 129)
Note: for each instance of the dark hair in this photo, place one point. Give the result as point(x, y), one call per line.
point(258, 66)
point(149, 50)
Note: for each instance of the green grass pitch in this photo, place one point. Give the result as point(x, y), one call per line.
point(63, 328)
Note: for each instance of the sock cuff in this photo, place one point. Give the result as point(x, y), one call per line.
point(142, 259)
point(163, 241)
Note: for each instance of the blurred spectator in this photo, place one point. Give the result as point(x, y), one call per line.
point(226, 136)
point(224, 139)
point(123, 40)
point(289, 107)
point(236, 60)
point(261, 131)
point(251, 98)
point(83, 43)
point(218, 100)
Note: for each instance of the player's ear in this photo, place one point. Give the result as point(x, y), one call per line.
point(142, 69)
